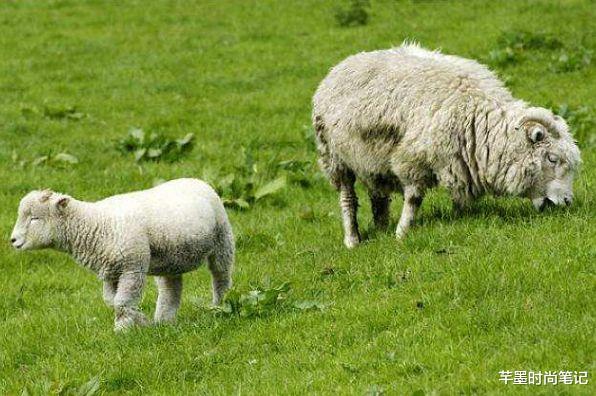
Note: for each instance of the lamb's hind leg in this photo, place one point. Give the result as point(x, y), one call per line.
point(168, 299)
point(109, 292)
point(348, 201)
point(412, 200)
point(221, 264)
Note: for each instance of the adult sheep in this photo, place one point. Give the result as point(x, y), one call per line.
point(163, 231)
point(407, 119)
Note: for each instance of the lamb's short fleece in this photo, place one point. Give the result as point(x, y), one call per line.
point(164, 231)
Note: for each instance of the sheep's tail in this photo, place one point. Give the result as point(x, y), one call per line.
point(221, 261)
point(326, 162)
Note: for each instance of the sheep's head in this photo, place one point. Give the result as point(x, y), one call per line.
point(555, 157)
point(39, 215)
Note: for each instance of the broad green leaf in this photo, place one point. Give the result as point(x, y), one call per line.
point(139, 154)
point(40, 160)
point(186, 139)
point(309, 305)
point(138, 134)
point(154, 153)
point(29, 110)
point(77, 115)
point(226, 181)
point(89, 388)
point(242, 203)
point(306, 213)
point(284, 287)
point(65, 157)
point(271, 188)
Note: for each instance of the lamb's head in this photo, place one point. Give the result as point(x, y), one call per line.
point(39, 216)
point(554, 157)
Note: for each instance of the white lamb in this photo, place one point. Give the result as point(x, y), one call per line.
point(407, 119)
point(163, 231)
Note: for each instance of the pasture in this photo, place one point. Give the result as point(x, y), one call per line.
point(501, 287)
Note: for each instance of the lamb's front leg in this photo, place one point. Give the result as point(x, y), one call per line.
point(412, 201)
point(169, 290)
point(128, 295)
point(109, 292)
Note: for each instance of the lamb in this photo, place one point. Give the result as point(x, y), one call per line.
point(408, 119)
point(164, 231)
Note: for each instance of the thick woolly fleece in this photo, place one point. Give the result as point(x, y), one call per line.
point(408, 119)
point(163, 231)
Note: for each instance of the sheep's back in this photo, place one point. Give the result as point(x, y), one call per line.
point(374, 105)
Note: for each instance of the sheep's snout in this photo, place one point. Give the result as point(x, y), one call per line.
point(542, 203)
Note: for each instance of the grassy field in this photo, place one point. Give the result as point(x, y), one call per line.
point(462, 298)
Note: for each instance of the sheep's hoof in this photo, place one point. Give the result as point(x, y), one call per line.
point(128, 318)
point(351, 241)
point(164, 319)
point(400, 233)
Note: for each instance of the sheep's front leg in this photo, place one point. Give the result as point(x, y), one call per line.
point(348, 202)
point(128, 295)
point(109, 292)
point(412, 201)
point(169, 290)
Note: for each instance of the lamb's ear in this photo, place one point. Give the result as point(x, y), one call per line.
point(61, 203)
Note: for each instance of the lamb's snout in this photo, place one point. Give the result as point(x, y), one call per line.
point(16, 243)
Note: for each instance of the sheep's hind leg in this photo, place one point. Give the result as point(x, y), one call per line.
point(130, 290)
point(380, 202)
point(169, 290)
point(109, 292)
point(348, 201)
point(412, 201)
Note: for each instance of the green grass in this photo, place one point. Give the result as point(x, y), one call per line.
point(501, 288)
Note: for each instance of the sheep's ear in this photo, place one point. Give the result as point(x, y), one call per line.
point(536, 133)
point(538, 117)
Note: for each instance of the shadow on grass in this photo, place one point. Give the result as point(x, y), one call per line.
point(507, 210)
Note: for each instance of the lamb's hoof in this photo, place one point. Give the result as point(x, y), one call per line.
point(351, 241)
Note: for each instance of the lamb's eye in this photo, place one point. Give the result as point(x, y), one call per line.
point(35, 219)
point(553, 159)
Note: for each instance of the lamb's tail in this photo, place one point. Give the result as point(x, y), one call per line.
point(221, 261)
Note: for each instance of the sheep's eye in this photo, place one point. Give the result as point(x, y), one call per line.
point(553, 159)
point(33, 218)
